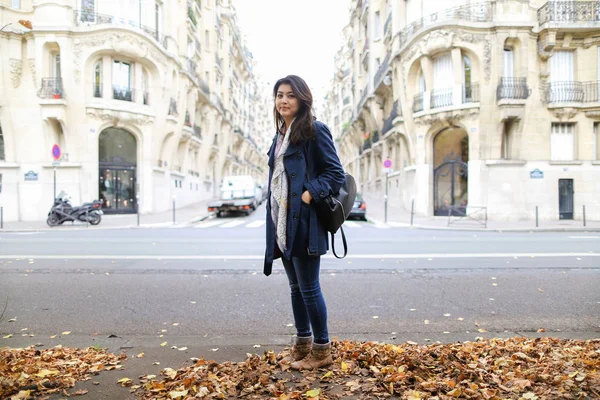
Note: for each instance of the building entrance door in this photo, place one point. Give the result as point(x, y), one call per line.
point(117, 190)
point(565, 198)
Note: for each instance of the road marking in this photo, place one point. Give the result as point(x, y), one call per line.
point(351, 224)
point(256, 224)
point(381, 226)
point(584, 237)
point(260, 257)
point(233, 223)
point(209, 224)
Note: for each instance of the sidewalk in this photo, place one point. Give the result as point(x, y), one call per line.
point(399, 217)
point(183, 216)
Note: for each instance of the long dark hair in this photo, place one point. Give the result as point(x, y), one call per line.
point(303, 128)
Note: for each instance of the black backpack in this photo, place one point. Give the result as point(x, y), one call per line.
point(334, 209)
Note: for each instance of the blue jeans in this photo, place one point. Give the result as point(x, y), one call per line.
point(308, 303)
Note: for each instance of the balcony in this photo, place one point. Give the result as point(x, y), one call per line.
point(84, 18)
point(569, 12)
point(346, 100)
point(572, 92)
point(388, 124)
point(470, 93)
point(192, 16)
point(441, 98)
point(419, 102)
point(52, 88)
point(383, 68)
point(191, 69)
point(512, 89)
point(123, 93)
point(476, 12)
point(363, 99)
point(187, 119)
point(203, 86)
point(218, 62)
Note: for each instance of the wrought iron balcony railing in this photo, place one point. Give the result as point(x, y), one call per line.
point(476, 12)
point(363, 98)
point(470, 93)
point(52, 88)
point(418, 102)
point(346, 100)
point(441, 98)
point(381, 71)
point(203, 86)
point(572, 92)
point(87, 18)
point(123, 93)
point(389, 122)
point(569, 11)
point(367, 144)
point(513, 88)
point(187, 121)
point(218, 61)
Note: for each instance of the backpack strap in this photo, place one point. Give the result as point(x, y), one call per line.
point(343, 241)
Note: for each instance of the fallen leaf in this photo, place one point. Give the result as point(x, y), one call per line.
point(7, 336)
point(163, 344)
point(66, 333)
point(344, 367)
point(124, 382)
point(217, 349)
point(182, 348)
point(256, 346)
point(313, 393)
point(426, 322)
point(540, 290)
point(140, 355)
point(177, 394)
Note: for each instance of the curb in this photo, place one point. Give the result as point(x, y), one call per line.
point(82, 227)
point(475, 229)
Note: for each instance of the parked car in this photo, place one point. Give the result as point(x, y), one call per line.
point(238, 193)
point(360, 208)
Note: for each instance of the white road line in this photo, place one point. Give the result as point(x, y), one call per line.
point(351, 224)
point(233, 223)
point(256, 224)
point(381, 226)
point(260, 257)
point(584, 237)
point(208, 224)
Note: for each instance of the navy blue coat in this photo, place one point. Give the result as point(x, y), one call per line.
point(311, 165)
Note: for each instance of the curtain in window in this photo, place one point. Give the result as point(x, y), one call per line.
point(509, 64)
point(562, 142)
point(563, 87)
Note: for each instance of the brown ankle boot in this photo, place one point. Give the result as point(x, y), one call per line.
point(319, 357)
point(300, 350)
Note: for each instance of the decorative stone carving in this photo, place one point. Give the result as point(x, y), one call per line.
point(565, 113)
point(448, 117)
point(32, 69)
point(16, 67)
point(593, 114)
point(119, 118)
point(120, 42)
point(436, 41)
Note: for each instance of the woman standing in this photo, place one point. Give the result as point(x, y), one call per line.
point(303, 169)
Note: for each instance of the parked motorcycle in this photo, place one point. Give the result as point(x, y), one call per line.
point(62, 211)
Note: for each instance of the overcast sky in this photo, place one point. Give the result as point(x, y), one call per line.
point(298, 37)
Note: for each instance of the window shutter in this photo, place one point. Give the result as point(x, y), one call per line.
point(442, 72)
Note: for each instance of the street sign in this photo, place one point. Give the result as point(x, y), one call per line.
point(536, 174)
point(31, 176)
point(387, 163)
point(56, 152)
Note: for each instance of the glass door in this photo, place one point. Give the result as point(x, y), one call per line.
point(117, 190)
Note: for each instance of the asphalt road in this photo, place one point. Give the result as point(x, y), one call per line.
point(396, 284)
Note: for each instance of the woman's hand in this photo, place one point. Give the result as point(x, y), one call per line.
point(306, 197)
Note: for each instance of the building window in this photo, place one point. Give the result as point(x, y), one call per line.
point(563, 87)
point(509, 63)
point(377, 33)
point(98, 79)
point(16, 4)
point(158, 17)
point(122, 81)
point(507, 139)
point(468, 70)
point(2, 156)
point(562, 142)
point(55, 64)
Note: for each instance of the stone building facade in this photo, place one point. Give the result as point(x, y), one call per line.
point(149, 101)
point(488, 106)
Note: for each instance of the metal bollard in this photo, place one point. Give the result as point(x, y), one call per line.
point(584, 216)
point(537, 225)
point(138, 216)
point(87, 219)
point(412, 212)
point(1, 217)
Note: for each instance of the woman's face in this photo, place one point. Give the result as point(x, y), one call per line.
point(286, 102)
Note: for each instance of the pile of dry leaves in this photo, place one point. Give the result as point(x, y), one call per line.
point(29, 372)
point(516, 368)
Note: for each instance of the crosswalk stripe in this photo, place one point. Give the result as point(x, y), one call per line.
point(351, 224)
point(233, 223)
point(256, 224)
point(212, 223)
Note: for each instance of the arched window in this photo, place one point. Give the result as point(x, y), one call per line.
point(98, 79)
point(467, 70)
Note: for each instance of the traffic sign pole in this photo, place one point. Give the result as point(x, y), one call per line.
point(386, 196)
point(56, 153)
